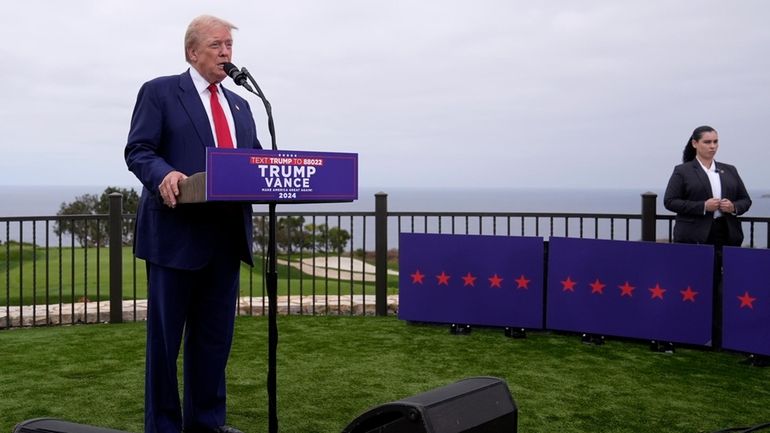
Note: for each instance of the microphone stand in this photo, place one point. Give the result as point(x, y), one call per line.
point(268, 107)
point(271, 277)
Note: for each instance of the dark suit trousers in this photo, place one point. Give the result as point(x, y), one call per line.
point(718, 236)
point(199, 306)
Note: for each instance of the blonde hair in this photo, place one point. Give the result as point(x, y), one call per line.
point(193, 34)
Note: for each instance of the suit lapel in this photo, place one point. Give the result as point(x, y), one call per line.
point(241, 118)
point(702, 177)
point(191, 101)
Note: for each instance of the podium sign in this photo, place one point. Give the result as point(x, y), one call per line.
point(258, 175)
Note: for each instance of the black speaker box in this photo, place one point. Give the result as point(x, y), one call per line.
point(51, 425)
point(473, 405)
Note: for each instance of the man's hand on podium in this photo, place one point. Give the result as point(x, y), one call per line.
point(169, 187)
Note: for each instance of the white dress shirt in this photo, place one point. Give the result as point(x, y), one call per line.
point(716, 184)
point(202, 86)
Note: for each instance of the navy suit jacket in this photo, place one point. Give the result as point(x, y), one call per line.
point(170, 131)
point(686, 194)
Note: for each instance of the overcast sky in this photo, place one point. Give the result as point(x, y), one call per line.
point(557, 94)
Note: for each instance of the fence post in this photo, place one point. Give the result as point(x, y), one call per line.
point(116, 257)
point(649, 216)
point(381, 253)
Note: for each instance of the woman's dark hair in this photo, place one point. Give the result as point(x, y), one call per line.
point(689, 152)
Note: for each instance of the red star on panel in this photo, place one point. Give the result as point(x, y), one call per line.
point(522, 282)
point(688, 294)
point(747, 300)
point(495, 281)
point(443, 278)
point(597, 287)
point(417, 277)
point(469, 280)
point(627, 290)
point(568, 285)
point(657, 291)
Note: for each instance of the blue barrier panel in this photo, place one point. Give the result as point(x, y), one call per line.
point(746, 300)
point(471, 279)
point(631, 289)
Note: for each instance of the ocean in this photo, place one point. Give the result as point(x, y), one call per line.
point(45, 200)
point(18, 201)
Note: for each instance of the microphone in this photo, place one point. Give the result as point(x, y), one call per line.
point(236, 74)
point(242, 77)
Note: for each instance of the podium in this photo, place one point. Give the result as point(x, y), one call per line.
point(272, 177)
point(192, 189)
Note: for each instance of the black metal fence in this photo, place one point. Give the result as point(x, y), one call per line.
point(51, 276)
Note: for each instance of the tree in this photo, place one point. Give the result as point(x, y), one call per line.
point(328, 239)
point(289, 234)
point(89, 232)
point(260, 234)
point(130, 200)
point(130, 206)
point(338, 239)
point(86, 232)
point(292, 234)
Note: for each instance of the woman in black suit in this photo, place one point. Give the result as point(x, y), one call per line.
point(706, 195)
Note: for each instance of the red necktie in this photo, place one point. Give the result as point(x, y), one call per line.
point(224, 140)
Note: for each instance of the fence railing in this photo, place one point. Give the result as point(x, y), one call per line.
point(50, 275)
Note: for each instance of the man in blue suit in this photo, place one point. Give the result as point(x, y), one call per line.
point(192, 251)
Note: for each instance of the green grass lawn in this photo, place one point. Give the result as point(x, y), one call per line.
point(331, 369)
point(27, 274)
